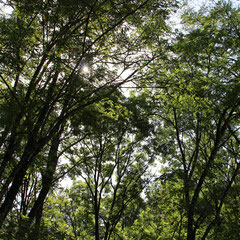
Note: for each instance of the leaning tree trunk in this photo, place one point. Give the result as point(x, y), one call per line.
point(47, 178)
point(28, 157)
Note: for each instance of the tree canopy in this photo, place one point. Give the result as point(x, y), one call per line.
point(141, 118)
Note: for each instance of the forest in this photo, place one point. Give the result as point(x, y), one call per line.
point(119, 120)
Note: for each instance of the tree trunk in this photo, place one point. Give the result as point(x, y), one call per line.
point(28, 156)
point(46, 178)
point(190, 228)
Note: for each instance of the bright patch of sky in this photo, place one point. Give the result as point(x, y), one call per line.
point(5, 9)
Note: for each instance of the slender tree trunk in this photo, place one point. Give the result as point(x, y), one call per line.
point(97, 237)
point(8, 159)
point(190, 228)
point(11, 146)
point(28, 157)
point(96, 209)
point(35, 233)
point(47, 177)
point(11, 195)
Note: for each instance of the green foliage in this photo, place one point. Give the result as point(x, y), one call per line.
point(57, 120)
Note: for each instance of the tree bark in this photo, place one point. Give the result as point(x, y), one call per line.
point(47, 177)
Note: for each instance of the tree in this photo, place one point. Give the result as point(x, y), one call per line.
point(44, 45)
point(113, 163)
point(111, 166)
point(198, 110)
